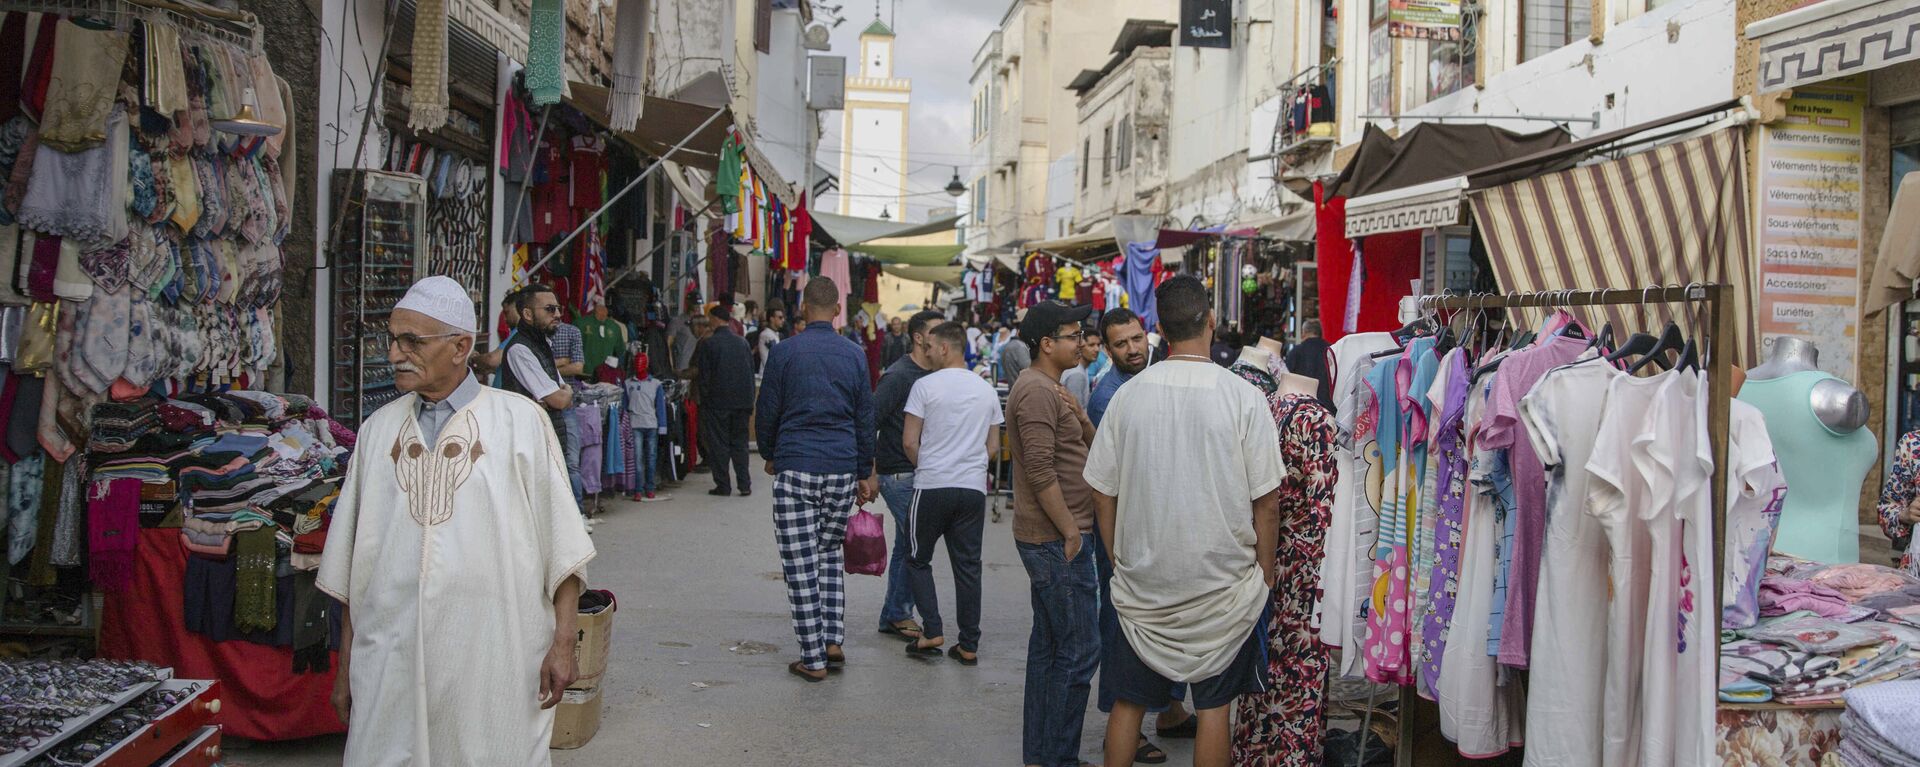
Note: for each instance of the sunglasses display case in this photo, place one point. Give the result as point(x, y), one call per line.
point(380, 256)
point(165, 721)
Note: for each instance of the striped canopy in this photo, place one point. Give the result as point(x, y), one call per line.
point(1673, 215)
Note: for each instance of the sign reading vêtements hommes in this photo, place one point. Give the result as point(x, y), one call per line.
point(1206, 23)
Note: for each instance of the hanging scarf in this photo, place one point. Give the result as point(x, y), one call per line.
point(546, 40)
point(85, 77)
point(72, 194)
point(628, 97)
point(13, 37)
point(166, 73)
point(429, 66)
point(254, 553)
point(113, 527)
point(33, 90)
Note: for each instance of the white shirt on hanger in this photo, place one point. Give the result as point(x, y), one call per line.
point(1615, 494)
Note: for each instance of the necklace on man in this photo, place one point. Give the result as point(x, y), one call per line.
point(1195, 357)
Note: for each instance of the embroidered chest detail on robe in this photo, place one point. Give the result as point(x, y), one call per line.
point(431, 475)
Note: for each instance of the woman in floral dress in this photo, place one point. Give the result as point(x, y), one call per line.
point(1282, 726)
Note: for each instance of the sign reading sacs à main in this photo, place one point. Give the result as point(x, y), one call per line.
point(1206, 23)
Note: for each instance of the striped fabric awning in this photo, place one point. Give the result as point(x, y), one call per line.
point(1672, 215)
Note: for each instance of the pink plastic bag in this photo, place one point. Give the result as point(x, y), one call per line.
point(866, 552)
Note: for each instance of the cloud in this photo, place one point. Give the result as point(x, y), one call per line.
point(936, 40)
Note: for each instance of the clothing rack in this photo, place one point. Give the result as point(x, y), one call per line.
point(1719, 365)
point(235, 28)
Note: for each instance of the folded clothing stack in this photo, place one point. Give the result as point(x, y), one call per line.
point(1881, 727)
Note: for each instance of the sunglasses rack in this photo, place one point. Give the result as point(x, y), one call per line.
point(380, 256)
point(73, 726)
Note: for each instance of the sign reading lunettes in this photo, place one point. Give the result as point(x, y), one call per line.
point(1206, 23)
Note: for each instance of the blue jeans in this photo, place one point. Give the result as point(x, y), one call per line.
point(1062, 652)
point(897, 491)
point(647, 441)
point(1110, 630)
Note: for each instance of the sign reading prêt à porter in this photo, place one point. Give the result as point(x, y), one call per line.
point(1206, 23)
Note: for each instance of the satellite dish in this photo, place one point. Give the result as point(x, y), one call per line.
point(816, 38)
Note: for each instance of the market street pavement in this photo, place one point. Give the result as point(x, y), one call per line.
point(698, 675)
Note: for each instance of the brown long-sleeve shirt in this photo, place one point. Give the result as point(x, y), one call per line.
point(1049, 445)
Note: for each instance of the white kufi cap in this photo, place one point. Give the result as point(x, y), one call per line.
point(442, 299)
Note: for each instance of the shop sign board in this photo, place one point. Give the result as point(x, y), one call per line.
point(1808, 227)
point(1206, 23)
point(1424, 19)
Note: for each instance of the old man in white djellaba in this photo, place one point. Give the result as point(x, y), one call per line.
point(458, 550)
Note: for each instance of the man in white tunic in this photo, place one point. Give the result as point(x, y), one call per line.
point(1185, 468)
point(458, 550)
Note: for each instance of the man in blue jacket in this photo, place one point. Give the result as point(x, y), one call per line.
point(815, 424)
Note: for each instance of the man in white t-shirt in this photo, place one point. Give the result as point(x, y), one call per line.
point(1185, 469)
point(953, 417)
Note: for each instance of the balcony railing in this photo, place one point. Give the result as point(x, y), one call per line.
point(1307, 117)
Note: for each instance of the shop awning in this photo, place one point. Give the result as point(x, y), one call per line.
point(666, 124)
point(849, 231)
point(910, 255)
point(1833, 39)
point(1671, 215)
point(943, 274)
point(1436, 203)
point(1096, 244)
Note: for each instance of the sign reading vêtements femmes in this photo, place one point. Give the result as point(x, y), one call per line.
point(1811, 176)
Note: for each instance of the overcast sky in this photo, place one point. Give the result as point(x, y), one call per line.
point(935, 41)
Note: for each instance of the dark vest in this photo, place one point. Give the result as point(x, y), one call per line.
point(542, 351)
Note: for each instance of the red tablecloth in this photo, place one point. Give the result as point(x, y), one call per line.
point(263, 698)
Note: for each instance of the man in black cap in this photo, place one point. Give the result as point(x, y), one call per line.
point(1053, 512)
point(725, 378)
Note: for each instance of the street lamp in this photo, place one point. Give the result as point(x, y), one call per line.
point(884, 216)
point(954, 187)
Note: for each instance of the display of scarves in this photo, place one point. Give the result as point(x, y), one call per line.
point(113, 527)
point(546, 40)
point(85, 77)
point(429, 107)
point(255, 553)
point(628, 98)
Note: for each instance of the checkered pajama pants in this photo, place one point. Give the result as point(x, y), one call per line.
point(810, 522)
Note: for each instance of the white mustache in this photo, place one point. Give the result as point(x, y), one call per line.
point(404, 367)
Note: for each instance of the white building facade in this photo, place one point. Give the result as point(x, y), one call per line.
point(873, 136)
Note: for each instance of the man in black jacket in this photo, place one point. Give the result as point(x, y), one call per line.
point(725, 380)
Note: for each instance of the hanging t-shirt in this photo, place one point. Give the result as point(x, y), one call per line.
point(586, 163)
point(1098, 298)
point(1346, 573)
point(1505, 430)
point(1616, 492)
point(958, 408)
point(1755, 492)
point(1563, 417)
point(1388, 625)
point(1481, 716)
point(1069, 278)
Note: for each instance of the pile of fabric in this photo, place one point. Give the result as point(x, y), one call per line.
point(1881, 727)
point(248, 479)
point(1822, 631)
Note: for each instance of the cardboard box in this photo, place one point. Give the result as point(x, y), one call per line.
point(594, 638)
point(576, 719)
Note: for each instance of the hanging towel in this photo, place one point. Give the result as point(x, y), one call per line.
point(629, 95)
point(429, 66)
point(113, 528)
point(546, 38)
point(86, 75)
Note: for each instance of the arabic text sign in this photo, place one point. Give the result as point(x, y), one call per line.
point(1206, 23)
point(1424, 19)
point(1811, 171)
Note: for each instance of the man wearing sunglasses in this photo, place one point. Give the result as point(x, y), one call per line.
point(458, 555)
point(530, 368)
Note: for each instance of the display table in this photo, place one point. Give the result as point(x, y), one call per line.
point(161, 720)
point(1767, 734)
point(264, 699)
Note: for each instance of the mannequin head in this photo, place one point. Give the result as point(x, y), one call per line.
point(640, 366)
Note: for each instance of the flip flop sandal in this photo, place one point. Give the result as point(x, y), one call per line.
point(835, 664)
point(924, 653)
point(909, 632)
point(1183, 731)
point(799, 668)
point(1148, 753)
point(964, 661)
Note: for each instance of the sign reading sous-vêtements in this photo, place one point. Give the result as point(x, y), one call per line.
point(1206, 23)
point(1811, 174)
